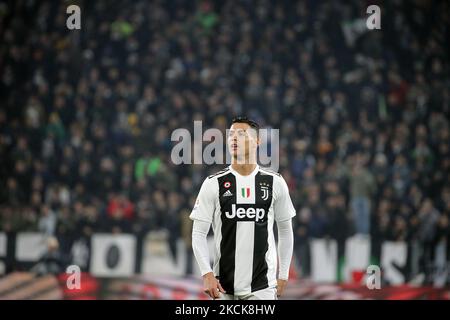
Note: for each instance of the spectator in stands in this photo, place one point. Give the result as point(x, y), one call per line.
point(362, 186)
point(53, 260)
point(47, 221)
point(120, 205)
point(301, 238)
point(428, 227)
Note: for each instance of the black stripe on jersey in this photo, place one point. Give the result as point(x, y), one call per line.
point(263, 199)
point(220, 172)
point(228, 242)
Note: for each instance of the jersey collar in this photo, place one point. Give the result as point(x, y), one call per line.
point(252, 174)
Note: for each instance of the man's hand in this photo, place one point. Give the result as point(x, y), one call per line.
point(281, 284)
point(211, 286)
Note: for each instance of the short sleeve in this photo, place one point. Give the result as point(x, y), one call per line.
point(205, 203)
point(283, 207)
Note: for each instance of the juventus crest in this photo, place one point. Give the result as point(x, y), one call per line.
point(265, 190)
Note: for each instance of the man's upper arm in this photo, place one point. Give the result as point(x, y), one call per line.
point(205, 204)
point(283, 207)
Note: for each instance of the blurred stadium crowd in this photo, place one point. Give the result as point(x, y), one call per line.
point(87, 115)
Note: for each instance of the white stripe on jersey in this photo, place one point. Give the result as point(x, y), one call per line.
point(243, 272)
point(245, 237)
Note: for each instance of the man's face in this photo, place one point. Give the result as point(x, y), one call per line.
point(242, 141)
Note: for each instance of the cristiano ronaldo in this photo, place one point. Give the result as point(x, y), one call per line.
point(241, 203)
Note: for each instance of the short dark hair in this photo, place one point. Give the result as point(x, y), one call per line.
point(251, 123)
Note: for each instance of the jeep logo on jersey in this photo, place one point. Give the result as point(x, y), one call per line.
point(246, 213)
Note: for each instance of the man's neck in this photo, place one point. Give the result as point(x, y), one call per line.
point(243, 169)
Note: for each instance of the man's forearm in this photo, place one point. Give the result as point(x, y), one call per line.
point(200, 231)
point(285, 247)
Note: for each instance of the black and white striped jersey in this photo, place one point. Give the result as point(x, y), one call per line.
point(242, 211)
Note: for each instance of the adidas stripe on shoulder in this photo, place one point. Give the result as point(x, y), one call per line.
point(268, 171)
point(219, 173)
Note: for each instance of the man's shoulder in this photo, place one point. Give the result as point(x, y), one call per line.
point(219, 173)
point(267, 171)
point(278, 180)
